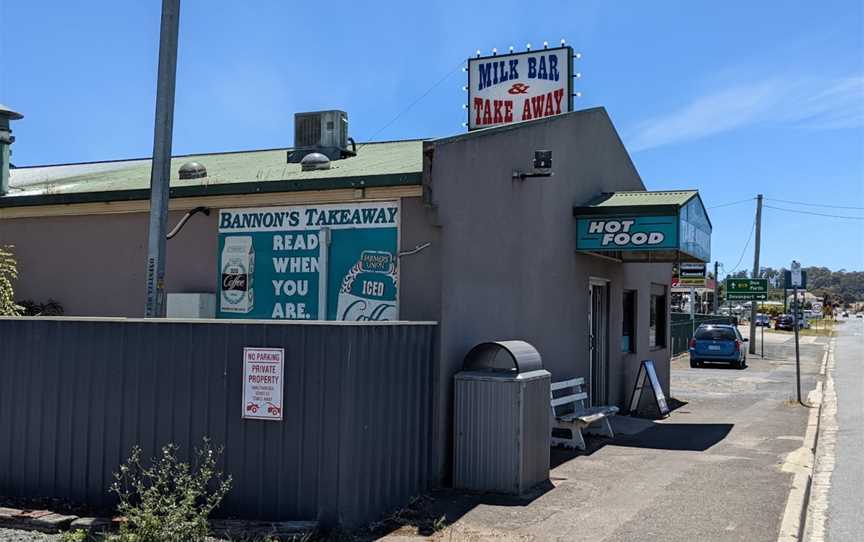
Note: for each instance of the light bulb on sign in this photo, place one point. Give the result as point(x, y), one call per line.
point(464, 106)
point(578, 94)
point(562, 42)
point(545, 44)
point(478, 53)
point(511, 48)
point(578, 55)
point(494, 51)
point(578, 75)
point(465, 89)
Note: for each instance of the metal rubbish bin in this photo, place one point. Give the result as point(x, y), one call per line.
point(502, 424)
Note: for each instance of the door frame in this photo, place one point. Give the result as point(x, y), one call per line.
point(592, 282)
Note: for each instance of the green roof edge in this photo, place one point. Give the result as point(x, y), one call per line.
point(225, 189)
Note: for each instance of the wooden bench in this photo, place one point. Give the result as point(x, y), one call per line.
point(572, 412)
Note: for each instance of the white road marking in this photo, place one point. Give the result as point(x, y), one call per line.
point(817, 511)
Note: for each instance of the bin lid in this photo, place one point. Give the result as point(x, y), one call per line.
point(509, 356)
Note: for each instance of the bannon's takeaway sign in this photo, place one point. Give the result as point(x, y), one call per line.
point(505, 89)
point(315, 262)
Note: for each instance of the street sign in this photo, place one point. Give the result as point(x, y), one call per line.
point(746, 289)
point(788, 281)
point(795, 275)
point(691, 274)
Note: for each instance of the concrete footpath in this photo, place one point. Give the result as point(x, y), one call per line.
point(718, 468)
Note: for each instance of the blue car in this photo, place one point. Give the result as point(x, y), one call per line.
point(720, 343)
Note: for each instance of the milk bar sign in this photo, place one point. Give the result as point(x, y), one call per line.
point(262, 383)
point(506, 89)
point(626, 233)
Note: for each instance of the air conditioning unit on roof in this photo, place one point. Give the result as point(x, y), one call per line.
point(324, 132)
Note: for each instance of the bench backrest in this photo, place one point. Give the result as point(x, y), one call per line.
point(573, 397)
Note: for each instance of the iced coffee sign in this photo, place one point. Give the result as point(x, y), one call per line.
point(333, 262)
point(262, 383)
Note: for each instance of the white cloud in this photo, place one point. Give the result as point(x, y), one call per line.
point(812, 103)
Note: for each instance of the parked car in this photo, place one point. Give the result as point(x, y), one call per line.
point(785, 321)
point(845, 314)
point(718, 342)
point(762, 320)
point(859, 315)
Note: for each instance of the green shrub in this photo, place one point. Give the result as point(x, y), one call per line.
point(169, 500)
point(8, 273)
point(78, 535)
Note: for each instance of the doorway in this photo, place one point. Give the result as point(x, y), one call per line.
point(598, 341)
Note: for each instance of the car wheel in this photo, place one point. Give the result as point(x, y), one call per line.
point(694, 364)
point(741, 363)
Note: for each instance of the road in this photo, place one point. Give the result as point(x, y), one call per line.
point(716, 469)
point(845, 520)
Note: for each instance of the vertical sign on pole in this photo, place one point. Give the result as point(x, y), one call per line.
point(796, 282)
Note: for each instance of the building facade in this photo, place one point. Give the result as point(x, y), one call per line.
point(488, 253)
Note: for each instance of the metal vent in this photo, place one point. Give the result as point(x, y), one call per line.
point(192, 170)
point(314, 161)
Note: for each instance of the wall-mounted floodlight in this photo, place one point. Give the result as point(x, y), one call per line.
point(541, 166)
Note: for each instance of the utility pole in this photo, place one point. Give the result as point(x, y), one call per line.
point(716, 287)
point(160, 173)
point(752, 348)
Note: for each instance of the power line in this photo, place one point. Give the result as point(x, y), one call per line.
point(815, 214)
point(731, 203)
point(745, 248)
point(415, 102)
point(817, 204)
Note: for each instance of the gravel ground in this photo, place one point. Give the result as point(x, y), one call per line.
point(26, 536)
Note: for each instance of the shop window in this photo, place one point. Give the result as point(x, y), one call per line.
point(657, 327)
point(628, 331)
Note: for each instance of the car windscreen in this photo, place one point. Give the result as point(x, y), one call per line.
point(715, 334)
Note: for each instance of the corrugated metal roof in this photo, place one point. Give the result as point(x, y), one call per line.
point(637, 198)
point(393, 157)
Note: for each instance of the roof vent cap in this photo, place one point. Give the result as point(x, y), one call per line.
point(314, 161)
point(192, 170)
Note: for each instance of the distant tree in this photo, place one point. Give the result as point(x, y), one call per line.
point(8, 273)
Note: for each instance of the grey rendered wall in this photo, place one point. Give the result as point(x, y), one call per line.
point(508, 264)
point(94, 265)
point(76, 395)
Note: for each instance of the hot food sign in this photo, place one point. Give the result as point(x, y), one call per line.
point(517, 87)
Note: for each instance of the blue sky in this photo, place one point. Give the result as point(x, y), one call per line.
point(732, 98)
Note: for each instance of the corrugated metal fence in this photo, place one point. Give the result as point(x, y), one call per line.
point(77, 394)
point(682, 328)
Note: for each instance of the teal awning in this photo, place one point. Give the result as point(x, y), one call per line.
point(641, 226)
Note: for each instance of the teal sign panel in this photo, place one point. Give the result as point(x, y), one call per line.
point(321, 262)
point(607, 233)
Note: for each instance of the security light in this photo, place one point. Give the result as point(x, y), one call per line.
point(541, 166)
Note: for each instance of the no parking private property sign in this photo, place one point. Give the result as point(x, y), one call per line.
point(262, 383)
